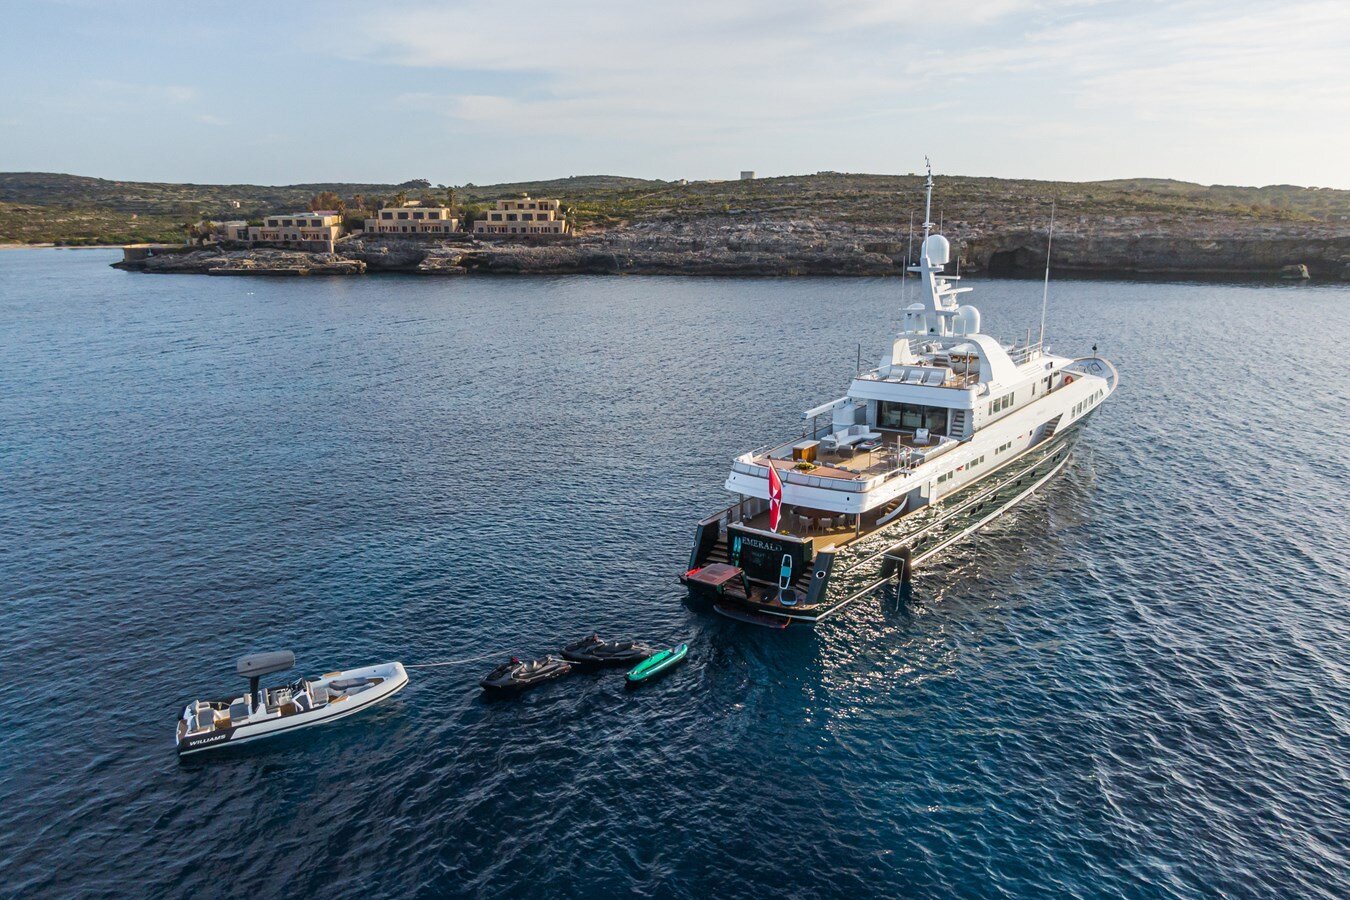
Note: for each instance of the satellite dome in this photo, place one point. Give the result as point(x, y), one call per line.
point(936, 249)
point(969, 317)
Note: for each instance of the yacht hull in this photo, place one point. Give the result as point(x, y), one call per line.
point(842, 577)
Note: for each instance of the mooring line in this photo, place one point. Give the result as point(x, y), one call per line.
point(453, 662)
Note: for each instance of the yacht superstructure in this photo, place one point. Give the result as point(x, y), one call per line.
point(951, 429)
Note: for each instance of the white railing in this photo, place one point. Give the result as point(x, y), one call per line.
point(806, 435)
point(1019, 354)
point(905, 461)
point(1026, 353)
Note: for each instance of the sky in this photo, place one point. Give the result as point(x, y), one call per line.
point(473, 91)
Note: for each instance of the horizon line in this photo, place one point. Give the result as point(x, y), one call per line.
point(675, 181)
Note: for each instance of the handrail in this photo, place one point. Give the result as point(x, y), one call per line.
point(1023, 354)
point(905, 462)
point(1018, 354)
point(957, 380)
point(806, 435)
point(720, 513)
point(944, 514)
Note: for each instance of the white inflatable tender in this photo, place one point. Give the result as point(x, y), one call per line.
point(265, 712)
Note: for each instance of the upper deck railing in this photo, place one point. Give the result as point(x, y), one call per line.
point(1020, 354)
point(954, 380)
point(900, 460)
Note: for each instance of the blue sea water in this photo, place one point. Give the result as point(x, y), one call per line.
point(1135, 685)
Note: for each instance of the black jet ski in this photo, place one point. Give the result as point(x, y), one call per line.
point(596, 651)
point(517, 675)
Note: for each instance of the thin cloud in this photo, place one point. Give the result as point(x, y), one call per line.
point(706, 66)
point(155, 93)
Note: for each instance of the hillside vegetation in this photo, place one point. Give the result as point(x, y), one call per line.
point(43, 207)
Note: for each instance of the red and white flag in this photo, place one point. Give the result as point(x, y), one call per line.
point(775, 497)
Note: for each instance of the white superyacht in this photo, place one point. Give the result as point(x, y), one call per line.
point(949, 431)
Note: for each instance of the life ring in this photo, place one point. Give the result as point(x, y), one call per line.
point(1068, 379)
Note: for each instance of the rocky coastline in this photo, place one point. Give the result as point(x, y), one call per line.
point(733, 247)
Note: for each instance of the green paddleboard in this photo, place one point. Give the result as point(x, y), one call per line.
point(656, 664)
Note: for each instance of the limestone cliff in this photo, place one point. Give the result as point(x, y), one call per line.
point(732, 246)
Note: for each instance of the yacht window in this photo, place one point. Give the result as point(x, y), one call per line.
point(1001, 403)
point(912, 416)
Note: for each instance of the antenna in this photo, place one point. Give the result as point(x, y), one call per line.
point(928, 201)
point(909, 260)
point(1045, 293)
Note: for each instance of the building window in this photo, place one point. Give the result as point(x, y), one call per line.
point(496, 217)
point(386, 215)
point(510, 217)
point(403, 215)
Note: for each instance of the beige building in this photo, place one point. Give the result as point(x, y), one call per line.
point(317, 231)
point(232, 231)
point(413, 219)
point(524, 215)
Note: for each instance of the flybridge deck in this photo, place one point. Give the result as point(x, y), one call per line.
point(949, 412)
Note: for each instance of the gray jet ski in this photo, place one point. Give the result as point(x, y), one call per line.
point(517, 675)
point(596, 651)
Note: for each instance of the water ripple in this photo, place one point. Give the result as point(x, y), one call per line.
point(1134, 685)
